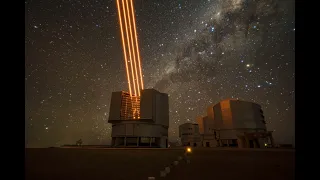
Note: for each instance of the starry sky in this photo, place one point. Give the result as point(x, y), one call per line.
point(198, 51)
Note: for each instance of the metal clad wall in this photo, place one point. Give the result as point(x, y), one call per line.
point(226, 114)
point(243, 116)
point(162, 111)
point(200, 122)
point(143, 130)
point(118, 130)
point(139, 130)
point(146, 106)
point(115, 106)
point(258, 116)
point(158, 102)
point(210, 112)
point(129, 129)
point(154, 104)
point(208, 125)
point(228, 134)
point(196, 129)
point(218, 124)
point(146, 130)
point(165, 109)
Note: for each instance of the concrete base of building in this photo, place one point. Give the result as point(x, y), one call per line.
point(157, 142)
point(227, 143)
point(192, 144)
point(209, 143)
point(254, 141)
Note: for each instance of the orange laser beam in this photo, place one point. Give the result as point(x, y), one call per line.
point(133, 49)
point(137, 47)
point(124, 47)
point(127, 35)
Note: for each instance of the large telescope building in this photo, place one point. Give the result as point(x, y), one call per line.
point(139, 117)
point(149, 129)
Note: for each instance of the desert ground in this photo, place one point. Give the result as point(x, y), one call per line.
point(230, 164)
point(123, 164)
point(95, 163)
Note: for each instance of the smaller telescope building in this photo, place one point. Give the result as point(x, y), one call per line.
point(189, 134)
point(229, 123)
point(149, 128)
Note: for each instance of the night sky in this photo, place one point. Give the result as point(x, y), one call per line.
point(198, 51)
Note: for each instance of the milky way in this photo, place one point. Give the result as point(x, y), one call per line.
point(199, 52)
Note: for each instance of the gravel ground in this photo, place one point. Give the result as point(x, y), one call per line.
point(138, 164)
point(230, 164)
point(95, 164)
